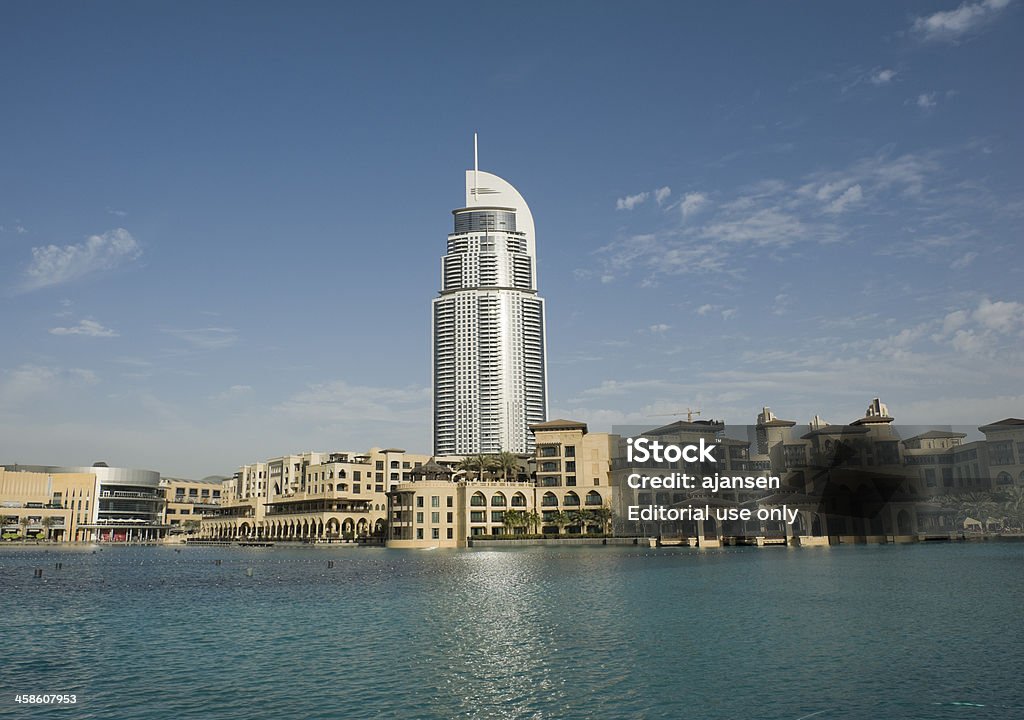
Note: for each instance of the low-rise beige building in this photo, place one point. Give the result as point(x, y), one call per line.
point(311, 496)
point(187, 501)
point(96, 503)
point(46, 506)
point(569, 495)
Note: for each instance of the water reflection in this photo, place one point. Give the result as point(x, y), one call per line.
point(520, 633)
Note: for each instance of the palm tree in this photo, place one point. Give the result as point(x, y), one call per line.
point(532, 518)
point(476, 463)
point(560, 519)
point(602, 516)
point(977, 505)
point(507, 463)
point(1013, 506)
point(48, 525)
point(578, 517)
point(24, 522)
point(512, 519)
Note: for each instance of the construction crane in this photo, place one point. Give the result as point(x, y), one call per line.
point(689, 413)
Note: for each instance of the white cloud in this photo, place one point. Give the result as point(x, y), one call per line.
point(705, 309)
point(209, 338)
point(781, 304)
point(926, 101)
point(659, 329)
point(954, 321)
point(773, 217)
point(339, 403)
point(87, 327)
point(1002, 317)
point(950, 25)
point(53, 265)
point(661, 194)
point(27, 384)
point(963, 261)
point(882, 77)
point(987, 330)
point(692, 203)
point(729, 313)
point(631, 201)
point(765, 226)
point(850, 196)
point(233, 392)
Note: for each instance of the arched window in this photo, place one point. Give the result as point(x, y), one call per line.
point(478, 500)
point(594, 498)
point(1004, 478)
point(571, 499)
point(549, 500)
point(518, 500)
point(498, 500)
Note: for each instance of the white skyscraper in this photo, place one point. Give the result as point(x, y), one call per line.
point(488, 335)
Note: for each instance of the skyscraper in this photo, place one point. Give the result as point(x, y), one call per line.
point(489, 360)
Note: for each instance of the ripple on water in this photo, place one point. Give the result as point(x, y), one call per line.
point(909, 632)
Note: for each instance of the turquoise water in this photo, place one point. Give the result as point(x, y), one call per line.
point(601, 632)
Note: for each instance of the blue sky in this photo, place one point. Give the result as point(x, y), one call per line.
point(221, 223)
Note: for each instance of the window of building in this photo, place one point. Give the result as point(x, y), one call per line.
point(570, 481)
point(449, 517)
point(449, 532)
point(435, 517)
point(435, 501)
point(449, 500)
point(419, 501)
point(435, 533)
point(380, 465)
point(570, 451)
point(419, 533)
point(1001, 453)
point(419, 518)
point(477, 516)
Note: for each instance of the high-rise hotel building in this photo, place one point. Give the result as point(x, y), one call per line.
point(488, 330)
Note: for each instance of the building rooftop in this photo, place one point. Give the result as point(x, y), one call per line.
point(936, 434)
point(560, 425)
point(1002, 424)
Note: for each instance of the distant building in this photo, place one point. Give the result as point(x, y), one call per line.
point(314, 496)
point(854, 483)
point(187, 501)
point(97, 503)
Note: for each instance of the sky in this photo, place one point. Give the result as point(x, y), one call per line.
point(221, 223)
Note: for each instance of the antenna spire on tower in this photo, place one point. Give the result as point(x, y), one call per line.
point(476, 171)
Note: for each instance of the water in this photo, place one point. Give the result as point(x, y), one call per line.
point(741, 633)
